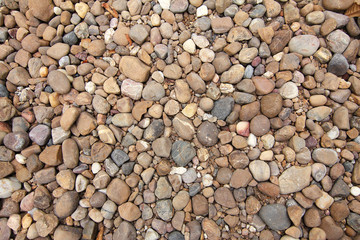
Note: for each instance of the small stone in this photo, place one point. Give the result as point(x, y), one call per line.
point(125, 231)
point(67, 232)
point(59, 82)
point(52, 155)
point(138, 34)
point(58, 50)
point(259, 125)
point(207, 134)
point(8, 186)
point(129, 212)
point(81, 9)
point(164, 209)
point(132, 89)
point(337, 5)
point(319, 113)
point(263, 85)
point(338, 41)
point(224, 197)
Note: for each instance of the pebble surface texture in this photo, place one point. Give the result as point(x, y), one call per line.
point(179, 120)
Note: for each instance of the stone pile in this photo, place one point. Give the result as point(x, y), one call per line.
point(177, 119)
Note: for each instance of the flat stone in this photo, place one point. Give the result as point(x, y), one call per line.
point(182, 153)
point(305, 45)
point(183, 127)
point(66, 204)
point(59, 82)
point(118, 191)
point(222, 108)
point(326, 156)
point(294, 179)
point(275, 216)
point(134, 69)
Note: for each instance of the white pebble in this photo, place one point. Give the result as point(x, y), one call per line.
point(189, 46)
point(177, 170)
point(90, 87)
point(158, 76)
point(289, 90)
point(333, 133)
point(268, 74)
point(206, 55)
point(226, 88)
point(20, 158)
point(277, 57)
point(114, 22)
point(251, 141)
point(155, 20)
point(239, 2)
point(57, 10)
point(165, 4)
point(202, 11)
point(108, 36)
point(207, 180)
point(355, 191)
point(96, 167)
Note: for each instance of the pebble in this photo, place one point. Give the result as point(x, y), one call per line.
point(338, 65)
point(16, 141)
point(254, 101)
point(326, 156)
point(207, 134)
point(294, 179)
point(59, 82)
point(289, 90)
point(164, 209)
point(260, 170)
point(275, 216)
point(182, 153)
point(8, 186)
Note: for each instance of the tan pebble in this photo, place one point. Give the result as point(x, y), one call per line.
point(43, 71)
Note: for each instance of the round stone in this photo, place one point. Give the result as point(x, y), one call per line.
point(207, 134)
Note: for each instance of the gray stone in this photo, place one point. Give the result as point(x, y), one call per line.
point(182, 153)
point(338, 65)
point(222, 108)
point(119, 157)
point(164, 209)
point(353, 220)
point(154, 130)
point(275, 216)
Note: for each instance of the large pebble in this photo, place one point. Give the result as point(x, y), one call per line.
point(207, 134)
point(305, 45)
point(326, 156)
point(59, 82)
point(294, 179)
point(275, 216)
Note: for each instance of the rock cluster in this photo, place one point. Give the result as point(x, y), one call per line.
point(179, 119)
